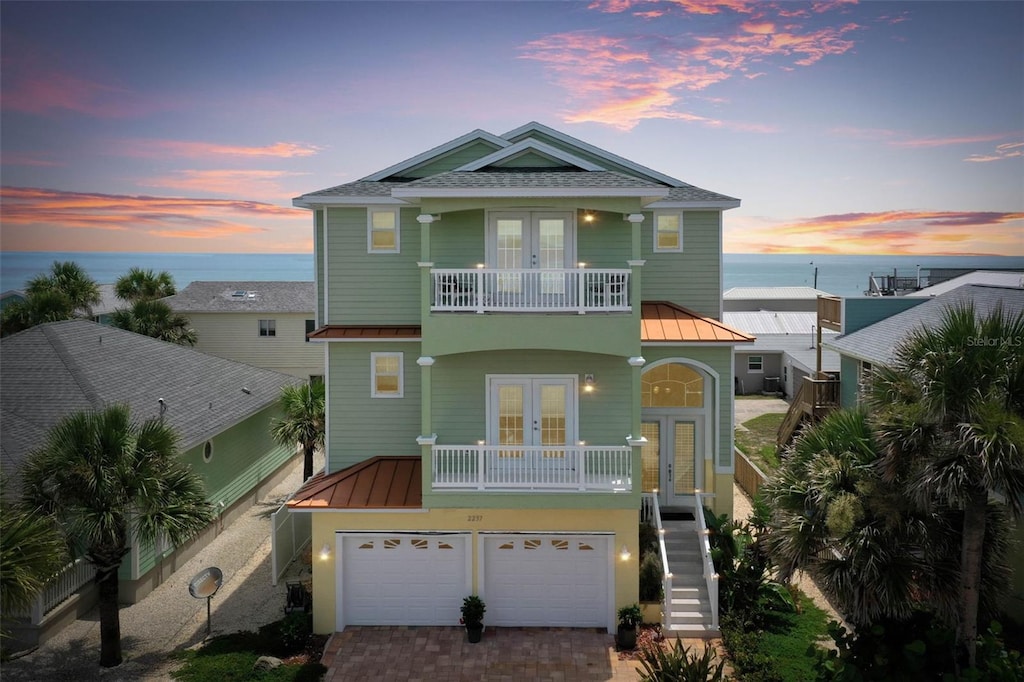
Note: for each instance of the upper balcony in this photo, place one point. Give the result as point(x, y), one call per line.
point(575, 290)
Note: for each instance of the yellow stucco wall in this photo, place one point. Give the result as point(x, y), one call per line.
point(622, 523)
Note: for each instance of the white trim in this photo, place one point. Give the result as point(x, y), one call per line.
point(531, 235)
point(327, 277)
point(635, 218)
point(637, 442)
point(680, 231)
point(646, 194)
point(394, 211)
point(722, 204)
point(316, 270)
point(271, 327)
point(524, 146)
point(533, 126)
point(410, 339)
point(327, 409)
point(401, 374)
point(346, 201)
point(437, 152)
point(530, 383)
point(425, 361)
point(424, 264)
point(751, 370)
point(427, 440)
point(637, 361)
point(637, 263)
point(721, 267)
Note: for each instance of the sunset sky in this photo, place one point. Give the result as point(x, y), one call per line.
point(844, 127)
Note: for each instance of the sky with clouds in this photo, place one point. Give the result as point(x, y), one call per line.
point(844, 127)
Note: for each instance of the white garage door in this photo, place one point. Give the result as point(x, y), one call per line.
point(548, 580)
point(402, 579)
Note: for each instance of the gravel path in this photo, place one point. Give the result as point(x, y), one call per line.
point(169, 619)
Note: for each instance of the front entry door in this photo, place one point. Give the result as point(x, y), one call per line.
point(672, 461)
point(529, 413)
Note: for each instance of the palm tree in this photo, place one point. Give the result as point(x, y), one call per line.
point(32, 551)
point(950, 420)
point(62, 294)
point(144, 285)
point(105, 479)
point(303, 421)
point(156, 319)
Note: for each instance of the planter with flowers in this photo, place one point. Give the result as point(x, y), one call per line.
point(473, 609)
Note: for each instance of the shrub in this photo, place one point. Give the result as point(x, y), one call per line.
point(648, 538)
point(651, 585)
point(679, 665)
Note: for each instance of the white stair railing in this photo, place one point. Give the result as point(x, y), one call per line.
point(703, 538)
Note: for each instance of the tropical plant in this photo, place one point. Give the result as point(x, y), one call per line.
point(303, 421)
point(651, 578)
point(32, 551)
point(630, 616)
point(106, 479)
point(949, 412)
point(678, 664)
point(156, 319)
point(64, 293)
point(473, 609)
point(144, 285)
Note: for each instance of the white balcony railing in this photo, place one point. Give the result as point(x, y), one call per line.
point(580, 290)
point(545, 468)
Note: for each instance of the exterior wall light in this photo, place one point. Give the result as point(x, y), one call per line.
point(325, 552)
point(624, 553)
point(588, 383)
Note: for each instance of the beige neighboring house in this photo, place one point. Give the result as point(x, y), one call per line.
point(259, 323)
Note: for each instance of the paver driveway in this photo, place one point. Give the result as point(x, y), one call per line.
point(442, 654)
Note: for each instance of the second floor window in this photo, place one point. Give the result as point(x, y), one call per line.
point(668, 231)
point(382, 230)
point(268, 327)
point(386, 380)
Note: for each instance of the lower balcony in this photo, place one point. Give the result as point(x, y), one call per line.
point(544, 468)
point(576, 290)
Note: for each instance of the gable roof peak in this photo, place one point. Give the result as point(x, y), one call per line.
point(440, 150)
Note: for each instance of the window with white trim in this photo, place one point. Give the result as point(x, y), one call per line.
point(668, 231)
point(755, 363)
point(268, 327)
point(382, 234)
point(386, 375)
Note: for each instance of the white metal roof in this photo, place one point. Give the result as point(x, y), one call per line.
point(985, 277)
point(773, 293)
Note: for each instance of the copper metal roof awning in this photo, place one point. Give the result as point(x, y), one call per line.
point(665, 322)
point(344, 331)
point(383, 482)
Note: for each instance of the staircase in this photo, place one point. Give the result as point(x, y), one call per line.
point(688, 608)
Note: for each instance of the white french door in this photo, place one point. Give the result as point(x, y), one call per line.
point(531, 240)
point(525, 414)
point(672, 460)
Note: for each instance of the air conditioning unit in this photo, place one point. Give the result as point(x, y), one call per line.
point(771, 385)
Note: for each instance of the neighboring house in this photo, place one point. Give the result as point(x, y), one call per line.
point(109, 302)
point(259, 323)
point(11, 296)
point(221, 410)
point(784, 353)
point(871, 345)
point(993, 278)
point(522, 339)
point(778, 299)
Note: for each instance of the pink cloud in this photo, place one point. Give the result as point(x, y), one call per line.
point(162, 148)
point(230, 182)
point(27, 159)
point(1008, 150)
point(623, 79)
point(25, 208)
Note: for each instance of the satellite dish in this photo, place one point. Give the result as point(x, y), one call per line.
point(206, 583)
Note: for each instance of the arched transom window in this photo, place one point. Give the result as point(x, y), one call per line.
point(672, 385)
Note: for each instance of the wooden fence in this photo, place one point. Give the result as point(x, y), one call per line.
point(747, 475)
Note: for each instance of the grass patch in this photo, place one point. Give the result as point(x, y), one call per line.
point(230, 658)
point(758, 442)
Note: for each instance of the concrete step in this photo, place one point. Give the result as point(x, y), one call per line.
point(695, 630)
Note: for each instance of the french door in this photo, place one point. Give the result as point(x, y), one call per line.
point(528, 413)
point(531, 240)
point(672, 460)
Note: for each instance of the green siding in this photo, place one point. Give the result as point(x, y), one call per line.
point(691, 278)
point(377, 288)
point(720, 360)
point(360, 427)
point(848, 371)
point(457, 240)
point(243, 456)
point(864, 312)
point(453, 160)
point(531, 160)
point(583, 154)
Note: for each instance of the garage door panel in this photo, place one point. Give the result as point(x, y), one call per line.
point(547, 580)
point(403, 579)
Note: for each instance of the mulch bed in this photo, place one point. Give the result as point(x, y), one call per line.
point(647, 636)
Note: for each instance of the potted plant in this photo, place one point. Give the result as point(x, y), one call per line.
point(473, 609)
point(629, 618)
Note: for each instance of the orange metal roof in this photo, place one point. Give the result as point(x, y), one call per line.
point(344, 331)
point(384, 482)
point(662, 321)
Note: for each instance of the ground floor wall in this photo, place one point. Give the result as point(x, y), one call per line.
point(619, 525)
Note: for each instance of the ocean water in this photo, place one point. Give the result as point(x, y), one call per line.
point(839, 275)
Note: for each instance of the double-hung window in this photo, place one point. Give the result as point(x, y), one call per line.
point(268, 327)
point(387, 377)
point(382, 233)
point(668, 231)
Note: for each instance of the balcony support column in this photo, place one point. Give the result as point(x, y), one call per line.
point(425, 220)
point(428, 437)
point(635, 264)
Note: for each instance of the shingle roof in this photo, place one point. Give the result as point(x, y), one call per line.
point(377, 483)
point(360, 188)
point(54, 369)
point(876, 343)
point(692, 193)
point(259, 297)
point(662, 321)
point(483, 179)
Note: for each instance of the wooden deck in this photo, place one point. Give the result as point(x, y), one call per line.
point(815, 400)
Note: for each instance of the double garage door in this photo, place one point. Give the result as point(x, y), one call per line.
point(527, 579)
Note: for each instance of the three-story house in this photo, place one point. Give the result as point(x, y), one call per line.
point(522, 340)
